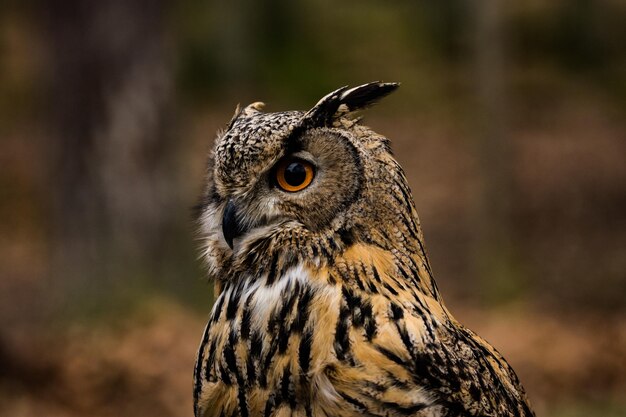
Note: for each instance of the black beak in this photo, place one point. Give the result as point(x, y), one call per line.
point(231, 228)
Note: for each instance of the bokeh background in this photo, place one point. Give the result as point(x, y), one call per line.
point(510, 124)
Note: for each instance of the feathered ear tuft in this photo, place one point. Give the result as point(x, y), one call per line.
point(344, 100)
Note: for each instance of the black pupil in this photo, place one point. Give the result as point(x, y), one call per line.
point(295, 174)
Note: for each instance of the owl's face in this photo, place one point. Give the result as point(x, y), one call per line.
point(279, 181)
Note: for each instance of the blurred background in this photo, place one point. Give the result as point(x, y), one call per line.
point(510, 124)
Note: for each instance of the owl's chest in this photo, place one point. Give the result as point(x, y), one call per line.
point(266, 345)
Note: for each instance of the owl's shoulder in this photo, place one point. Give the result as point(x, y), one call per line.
point(394, 331)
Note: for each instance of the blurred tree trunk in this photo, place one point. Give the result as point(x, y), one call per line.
point(110, 100)
point(495, 250)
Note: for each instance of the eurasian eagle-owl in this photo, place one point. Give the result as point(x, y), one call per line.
point(326, 303)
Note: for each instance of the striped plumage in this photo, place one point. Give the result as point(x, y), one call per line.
point(326, 304)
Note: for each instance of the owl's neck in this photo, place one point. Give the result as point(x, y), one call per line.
point(366, 260)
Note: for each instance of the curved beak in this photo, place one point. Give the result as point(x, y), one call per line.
point(231, 227)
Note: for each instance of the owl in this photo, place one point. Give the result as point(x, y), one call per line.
point(326, 303)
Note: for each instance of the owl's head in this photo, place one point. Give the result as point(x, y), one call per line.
point(299, 186)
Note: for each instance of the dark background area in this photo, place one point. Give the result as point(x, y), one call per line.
point(510, 124)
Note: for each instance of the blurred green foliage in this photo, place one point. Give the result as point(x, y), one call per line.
point(296, 49)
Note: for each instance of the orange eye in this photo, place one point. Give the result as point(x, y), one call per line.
point(294, 174)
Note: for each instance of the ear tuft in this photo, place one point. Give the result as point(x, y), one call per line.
point(366, 95)
point(344, 100)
